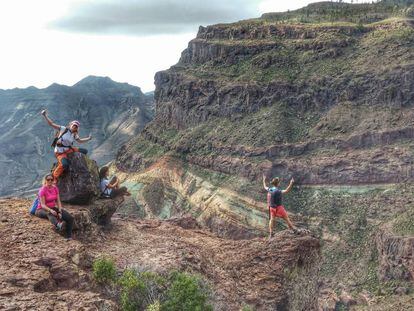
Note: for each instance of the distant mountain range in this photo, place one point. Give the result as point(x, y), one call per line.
point(112, 112)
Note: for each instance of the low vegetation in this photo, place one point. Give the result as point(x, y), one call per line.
point(104, 271)
point(137, 290)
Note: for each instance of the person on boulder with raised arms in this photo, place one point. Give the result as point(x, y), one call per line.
point(50, 207)
point(63, 143)
point(274, 203)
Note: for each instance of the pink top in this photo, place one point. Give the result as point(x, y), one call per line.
point(50, 195)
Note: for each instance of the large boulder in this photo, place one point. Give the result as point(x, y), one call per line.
point(102, 210)
point(87, 217)
point(79, 190)
point(80, 183)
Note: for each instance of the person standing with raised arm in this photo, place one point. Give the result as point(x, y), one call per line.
point(64, 143)
point(274, 203)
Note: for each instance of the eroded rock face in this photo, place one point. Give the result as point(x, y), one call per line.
point(39, 270)
point(186, 222)
point(396, 256)
point(101, 210)
point(239, 102)
point(80, 183)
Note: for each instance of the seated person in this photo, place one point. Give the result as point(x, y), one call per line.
point(50, 207)
point(110, 188)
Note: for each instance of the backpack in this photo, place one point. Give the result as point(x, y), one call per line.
point(103, 194)
point(275, 196)
point(33, 208)
point(57, 137)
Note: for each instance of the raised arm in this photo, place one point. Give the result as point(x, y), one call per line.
point(287, 190)
point(84, 140)
point(49, 121)
point(264, 183)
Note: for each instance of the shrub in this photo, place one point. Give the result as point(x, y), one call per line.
point(155, 286)
point(156, 306)
point(132, 291)
point(103, 270)
point(186, 293)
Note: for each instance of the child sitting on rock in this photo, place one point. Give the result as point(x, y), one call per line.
point(50, 207)
point(110, 188)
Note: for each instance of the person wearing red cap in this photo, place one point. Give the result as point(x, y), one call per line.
point(64, 143)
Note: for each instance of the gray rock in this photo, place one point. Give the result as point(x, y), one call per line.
point(80, 184)
point(103, 209)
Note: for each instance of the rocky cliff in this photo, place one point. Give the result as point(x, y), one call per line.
point(259, 96)
point(112, 112)
point(39, 270)
point(323, 94)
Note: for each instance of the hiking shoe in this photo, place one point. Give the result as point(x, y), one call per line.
point(59, 226)
point(68, 239)
point(295, 231)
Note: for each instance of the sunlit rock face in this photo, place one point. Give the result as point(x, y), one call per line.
point(112, 112)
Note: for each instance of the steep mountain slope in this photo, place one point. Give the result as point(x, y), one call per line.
point(112, 112)
point(324, 94)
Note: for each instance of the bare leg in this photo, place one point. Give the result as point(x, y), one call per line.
point(271, 222)
point(114, 182)
point(289, 223)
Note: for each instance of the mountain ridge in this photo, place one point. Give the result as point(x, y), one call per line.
point(123, 112)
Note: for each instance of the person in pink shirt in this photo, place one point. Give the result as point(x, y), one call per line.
point(50, 207)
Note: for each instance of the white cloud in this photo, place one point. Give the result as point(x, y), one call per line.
point(143, 17)
point(33, 54)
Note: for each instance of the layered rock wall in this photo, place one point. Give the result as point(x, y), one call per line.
point(396, 256)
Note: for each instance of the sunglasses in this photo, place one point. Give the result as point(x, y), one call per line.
point(49, 179)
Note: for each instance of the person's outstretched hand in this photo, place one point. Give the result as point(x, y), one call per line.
point(292, 180)
point(264, 177)
point(44, 112)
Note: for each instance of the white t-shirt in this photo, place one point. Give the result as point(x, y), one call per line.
point(104, 189)
point(68, 139)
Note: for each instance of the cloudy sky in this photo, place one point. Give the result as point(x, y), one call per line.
point(63, 41)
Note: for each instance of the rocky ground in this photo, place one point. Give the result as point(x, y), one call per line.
point(40, 270)
point(317, 94)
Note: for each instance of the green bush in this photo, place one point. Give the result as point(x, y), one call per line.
point(156, 306)
point(185, 293)
point(155, 286)
point(103, 270)
point(132, 291)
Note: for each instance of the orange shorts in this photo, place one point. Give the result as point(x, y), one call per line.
point(278, 211)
